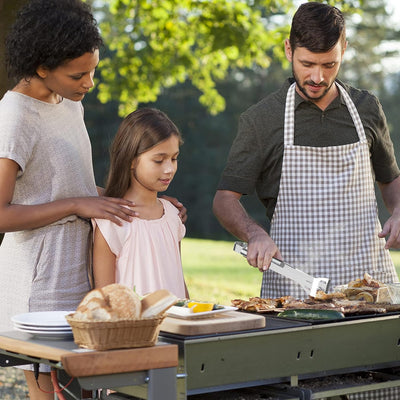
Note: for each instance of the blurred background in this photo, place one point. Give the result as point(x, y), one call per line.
point(205, 62)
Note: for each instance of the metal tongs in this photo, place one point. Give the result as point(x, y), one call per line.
point(307, 282)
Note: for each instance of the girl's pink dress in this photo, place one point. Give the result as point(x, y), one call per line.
point(147, 251)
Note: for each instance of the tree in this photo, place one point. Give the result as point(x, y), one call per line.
point(8, 11)
point(157, 44)
point(372, 38)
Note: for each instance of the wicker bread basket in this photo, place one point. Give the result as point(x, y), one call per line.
point(123, 333)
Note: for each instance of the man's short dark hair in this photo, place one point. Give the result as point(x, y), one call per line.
point(317, 27)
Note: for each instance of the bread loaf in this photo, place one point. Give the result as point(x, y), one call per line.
point(111, 302)
point(123, 301)
point(155, 304)
point(93, 294)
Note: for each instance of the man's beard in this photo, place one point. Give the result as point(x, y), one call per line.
point(304, 91)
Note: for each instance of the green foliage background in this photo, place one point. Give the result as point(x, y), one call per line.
point(204, 63)
point(158, 44)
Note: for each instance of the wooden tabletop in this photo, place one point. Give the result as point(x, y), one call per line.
point(79, 362)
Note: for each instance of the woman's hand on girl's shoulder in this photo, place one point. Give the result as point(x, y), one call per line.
point(111, 208)
point(182, 209)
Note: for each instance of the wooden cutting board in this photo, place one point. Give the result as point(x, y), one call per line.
point(224, 322)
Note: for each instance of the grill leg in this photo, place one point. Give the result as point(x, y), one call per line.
point(162, 384)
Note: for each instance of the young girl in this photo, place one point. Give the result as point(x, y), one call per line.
point(143, 254)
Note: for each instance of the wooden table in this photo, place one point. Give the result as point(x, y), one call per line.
point(154, 366)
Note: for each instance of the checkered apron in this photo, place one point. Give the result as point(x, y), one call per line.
point(326, 221)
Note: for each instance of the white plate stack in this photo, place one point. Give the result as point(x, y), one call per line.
point(44, 324)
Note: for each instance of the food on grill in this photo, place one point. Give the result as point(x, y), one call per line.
point(361, 307)
point(311, 304)
point(358, 297)
point(311, 314)
point(345, 306)
point(392, 307)
point(367, 281)
point(367, 289)
point(113, 301)
point(364, 295)
point(258, 304)
point(321, 295)
point(155, 304)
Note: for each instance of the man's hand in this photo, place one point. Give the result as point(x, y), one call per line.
point(391, 230)
point(182, 209)
point(391, 197)
point(261, 249)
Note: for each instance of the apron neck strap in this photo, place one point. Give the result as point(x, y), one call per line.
point(290, 113)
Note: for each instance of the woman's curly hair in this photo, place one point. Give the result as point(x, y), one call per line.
point(48, 33)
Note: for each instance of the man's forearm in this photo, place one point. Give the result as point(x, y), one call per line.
point(391, 195)
point(233, 217)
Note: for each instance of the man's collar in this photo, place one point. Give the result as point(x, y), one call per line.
point(335, 102)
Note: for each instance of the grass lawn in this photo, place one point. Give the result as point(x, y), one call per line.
point(214, 272)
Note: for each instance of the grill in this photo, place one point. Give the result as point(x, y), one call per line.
point(287, 355)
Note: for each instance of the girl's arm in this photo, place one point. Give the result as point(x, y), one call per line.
point(17, 217)
point(184, 282)
point(103, 261)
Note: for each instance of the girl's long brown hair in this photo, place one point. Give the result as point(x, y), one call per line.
point(139, 131)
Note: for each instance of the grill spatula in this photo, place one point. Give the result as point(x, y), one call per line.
point(307, 282)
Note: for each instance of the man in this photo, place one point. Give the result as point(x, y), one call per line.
point(308, 150)
point(311, 151)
